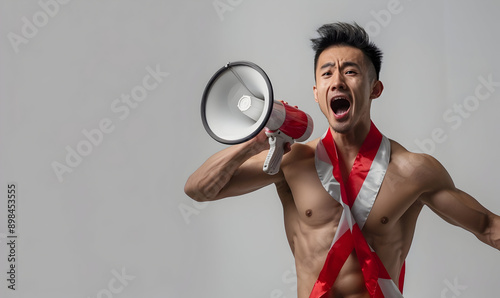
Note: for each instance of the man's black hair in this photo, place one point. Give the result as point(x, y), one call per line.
point(348, 35)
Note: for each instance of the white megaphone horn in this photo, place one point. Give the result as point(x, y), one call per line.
point(238, 102)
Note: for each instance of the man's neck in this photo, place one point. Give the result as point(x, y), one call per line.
point(348, 145)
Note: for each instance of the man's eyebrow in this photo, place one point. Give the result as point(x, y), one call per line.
point(350, 63)
point(328, 64)
point(345, 64)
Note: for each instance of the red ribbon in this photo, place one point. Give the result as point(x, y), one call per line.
point(371, 266)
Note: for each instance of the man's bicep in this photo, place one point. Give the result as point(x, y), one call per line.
point(249, 177)
point(452, 204)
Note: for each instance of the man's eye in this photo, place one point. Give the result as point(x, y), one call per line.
point(350, 72)
point(326, 73)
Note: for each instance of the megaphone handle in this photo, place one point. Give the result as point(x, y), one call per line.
point(277, 141)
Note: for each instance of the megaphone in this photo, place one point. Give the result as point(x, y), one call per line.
point(238, 102)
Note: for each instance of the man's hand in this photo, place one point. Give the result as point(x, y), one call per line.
point(261, 141)
point(492, 232)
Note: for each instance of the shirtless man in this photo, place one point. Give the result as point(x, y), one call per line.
point(347, 66)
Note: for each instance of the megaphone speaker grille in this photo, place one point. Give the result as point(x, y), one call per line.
point(221, 110)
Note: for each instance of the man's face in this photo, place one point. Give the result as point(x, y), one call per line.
point(345, 86)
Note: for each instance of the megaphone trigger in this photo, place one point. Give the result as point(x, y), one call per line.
point(277, 144)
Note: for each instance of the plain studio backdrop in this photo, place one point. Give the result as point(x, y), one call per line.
point(100, 127)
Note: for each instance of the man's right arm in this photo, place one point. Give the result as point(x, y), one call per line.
point(233, 171)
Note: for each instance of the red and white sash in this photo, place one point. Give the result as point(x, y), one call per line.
point(357, 197)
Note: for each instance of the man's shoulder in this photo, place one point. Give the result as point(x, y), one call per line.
point(300, 152)
point(401, 154)
point(305, 150)
point(419, 167)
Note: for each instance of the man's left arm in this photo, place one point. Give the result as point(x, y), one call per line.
point(458, 207)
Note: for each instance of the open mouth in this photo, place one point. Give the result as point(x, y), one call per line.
point(340, 105)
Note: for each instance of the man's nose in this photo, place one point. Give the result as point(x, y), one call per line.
point(337, 82)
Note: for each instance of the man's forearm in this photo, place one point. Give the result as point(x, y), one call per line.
point(206, 183)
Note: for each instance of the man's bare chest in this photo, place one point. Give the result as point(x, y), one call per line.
point(316, 207)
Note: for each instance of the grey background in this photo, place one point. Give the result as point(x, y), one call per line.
point(123, 209)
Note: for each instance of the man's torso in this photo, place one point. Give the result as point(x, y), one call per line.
point(312, 216)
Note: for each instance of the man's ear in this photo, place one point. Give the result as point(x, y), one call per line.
point(315, 91)
point(377, 89)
